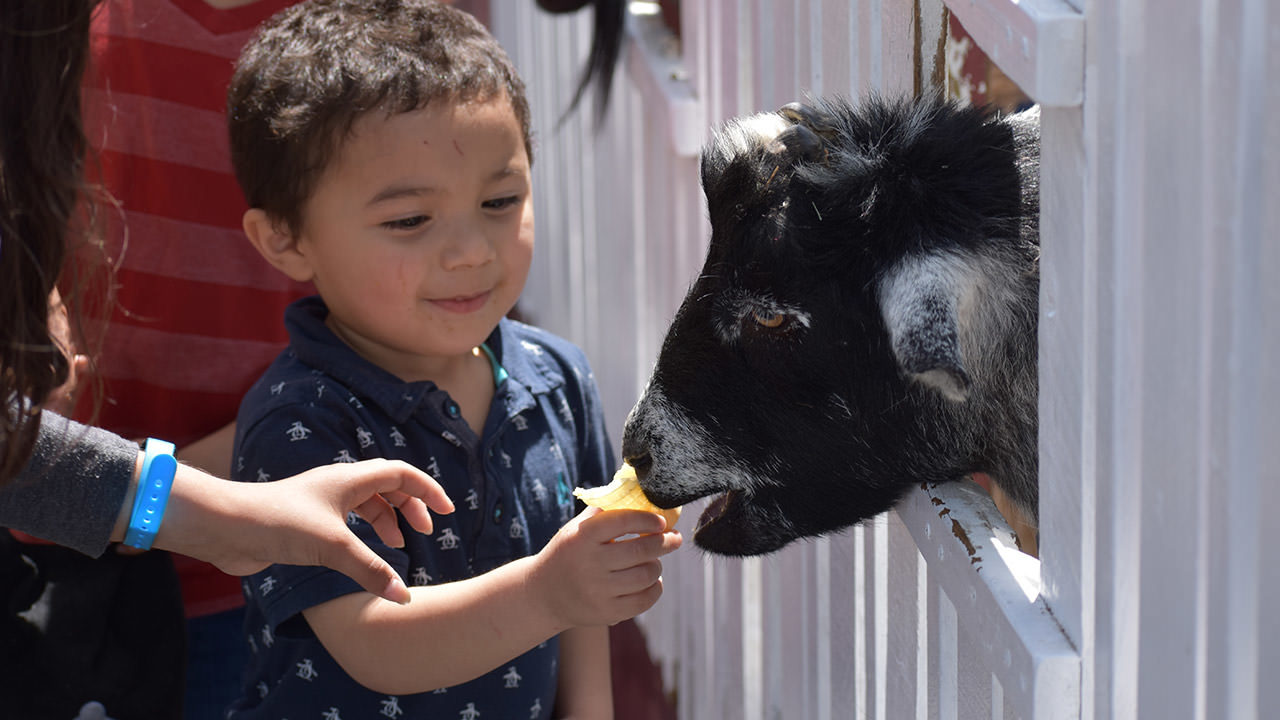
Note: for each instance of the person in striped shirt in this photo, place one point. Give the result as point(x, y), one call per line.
point(197, 316)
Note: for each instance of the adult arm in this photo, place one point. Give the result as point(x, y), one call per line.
point(243, 528)
point(77, 490)
point(74, 487)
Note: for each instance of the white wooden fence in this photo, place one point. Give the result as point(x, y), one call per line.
point(1156, 590)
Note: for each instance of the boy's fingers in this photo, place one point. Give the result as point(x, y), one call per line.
point(605, 526)
point(646, 548)
point(636, 577)
point(638, 602)
point(659, 544)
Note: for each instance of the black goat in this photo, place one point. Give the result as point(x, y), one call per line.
point(865, 321)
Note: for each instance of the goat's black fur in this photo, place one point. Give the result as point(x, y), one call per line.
point(865, 321)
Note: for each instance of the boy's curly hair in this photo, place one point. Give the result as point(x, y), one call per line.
point(315, 68)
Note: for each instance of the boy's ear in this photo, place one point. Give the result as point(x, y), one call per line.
point(276, 245)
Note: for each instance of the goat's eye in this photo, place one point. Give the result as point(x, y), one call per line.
point(768, 319)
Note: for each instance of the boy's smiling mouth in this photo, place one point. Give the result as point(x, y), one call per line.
point(462, 303)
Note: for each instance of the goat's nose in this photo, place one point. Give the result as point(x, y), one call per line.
point(641, 463)
point(635, 446)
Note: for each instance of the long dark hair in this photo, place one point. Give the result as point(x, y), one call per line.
point(607, 35)
point(43, 50)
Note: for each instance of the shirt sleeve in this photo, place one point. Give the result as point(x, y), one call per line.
point(287, 441)
point(72, 488)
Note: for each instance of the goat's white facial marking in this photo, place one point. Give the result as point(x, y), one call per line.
point(758, 130)
point(744, 315)
point(689, 453)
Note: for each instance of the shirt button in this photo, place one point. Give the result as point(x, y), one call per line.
point(453, 409)
point(497, 513)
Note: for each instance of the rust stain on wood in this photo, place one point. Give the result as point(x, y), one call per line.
point(916, 60)
point(937, 72)
point(940, 54)
point(958, 530)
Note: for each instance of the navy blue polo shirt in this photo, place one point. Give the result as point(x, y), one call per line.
point(319, 403)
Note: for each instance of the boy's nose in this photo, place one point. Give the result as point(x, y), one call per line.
point(468, 246)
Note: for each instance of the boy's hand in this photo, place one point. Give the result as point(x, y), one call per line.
point(585, 578)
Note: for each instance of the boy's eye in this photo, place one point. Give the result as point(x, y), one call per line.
point(501, 203)
point(407, 223)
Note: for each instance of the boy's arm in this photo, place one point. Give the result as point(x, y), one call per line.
point(454, 632)
point(586, 681)
point(211, 453)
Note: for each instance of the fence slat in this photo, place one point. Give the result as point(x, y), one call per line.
point(1158, 341)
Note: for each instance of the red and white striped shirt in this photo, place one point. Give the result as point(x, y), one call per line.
point(200, 313)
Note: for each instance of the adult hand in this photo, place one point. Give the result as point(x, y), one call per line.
point(244, 527)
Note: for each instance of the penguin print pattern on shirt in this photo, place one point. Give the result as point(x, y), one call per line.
point(511, 485)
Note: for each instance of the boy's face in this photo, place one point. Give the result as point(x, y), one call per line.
point(419, 234)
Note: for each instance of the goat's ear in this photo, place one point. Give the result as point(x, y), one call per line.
point(918, 300)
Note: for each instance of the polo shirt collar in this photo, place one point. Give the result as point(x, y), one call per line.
point(316, 345)
point(526, 362)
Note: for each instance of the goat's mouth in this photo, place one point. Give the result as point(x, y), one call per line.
point(741, 523)
point(738, 520)
point(716, 510)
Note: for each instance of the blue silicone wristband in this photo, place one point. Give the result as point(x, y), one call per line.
point(158, 469)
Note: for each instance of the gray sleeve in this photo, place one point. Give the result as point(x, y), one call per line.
point(72, 488)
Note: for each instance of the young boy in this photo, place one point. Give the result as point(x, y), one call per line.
point(383, 146)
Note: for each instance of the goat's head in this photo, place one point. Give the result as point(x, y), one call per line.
point(865, 321)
